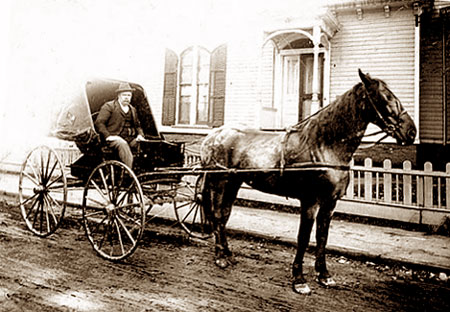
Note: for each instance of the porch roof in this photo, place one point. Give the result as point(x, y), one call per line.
point(288, 29)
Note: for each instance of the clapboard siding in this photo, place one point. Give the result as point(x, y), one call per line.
point(383, 47)
point(267, 74)
point(242, 78)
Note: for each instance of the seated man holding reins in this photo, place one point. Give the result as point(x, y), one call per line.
point(119, 124)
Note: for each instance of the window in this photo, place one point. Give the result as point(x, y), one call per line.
point(199, 96)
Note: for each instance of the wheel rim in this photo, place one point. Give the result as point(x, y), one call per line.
point(42, 191)
point(113, 210)
point(189, 209)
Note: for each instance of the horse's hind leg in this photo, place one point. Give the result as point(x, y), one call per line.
point(219, 196)
point(322, 227)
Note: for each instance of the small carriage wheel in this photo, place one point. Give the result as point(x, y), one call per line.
point(113, 210)
point(188, 207)
point(42, 191)
point(159, 190)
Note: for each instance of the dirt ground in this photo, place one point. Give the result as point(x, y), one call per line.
point(169, 272)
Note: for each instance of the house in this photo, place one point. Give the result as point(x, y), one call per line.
point(290, 64)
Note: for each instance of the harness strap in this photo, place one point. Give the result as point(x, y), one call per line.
point(387, 127)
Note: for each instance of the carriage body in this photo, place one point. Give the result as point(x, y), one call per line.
point(76, 123)
point(116, 199)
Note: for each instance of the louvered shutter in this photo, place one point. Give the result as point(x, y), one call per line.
point(170, 88)
point(217, 85)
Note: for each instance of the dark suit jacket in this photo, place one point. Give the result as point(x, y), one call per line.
point(110, 120)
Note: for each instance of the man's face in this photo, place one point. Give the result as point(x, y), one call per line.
point(125, 97)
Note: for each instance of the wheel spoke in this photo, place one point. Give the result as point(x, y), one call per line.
point(119, 236)
point(35, 171)
point(96, 201)
point(183, 205)
point(93, 214)
point(41, 214)
point(28, 199)
point(100, 191)
point(130, 219)
point(47, 175)
point(111, 243)
point(32, 206)
point(104, 183)
point(113, 184)
point(127, 192)
point(105, 233)
point(126, 231)
point(195, 208)
point(53, 213)
point(187, 215)
point(54, 181)
point(42, 168)
point(47, 219)
point(31, 178)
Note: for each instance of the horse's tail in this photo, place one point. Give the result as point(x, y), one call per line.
point(206, 199)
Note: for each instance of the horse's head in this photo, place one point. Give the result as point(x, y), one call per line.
point(389, 113)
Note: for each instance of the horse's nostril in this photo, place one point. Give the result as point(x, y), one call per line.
point(412, 133)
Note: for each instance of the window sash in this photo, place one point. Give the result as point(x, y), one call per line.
point(193, 103)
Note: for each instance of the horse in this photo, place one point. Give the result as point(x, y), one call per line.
point(321, 147)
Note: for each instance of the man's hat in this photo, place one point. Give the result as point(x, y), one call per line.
point(124, 86)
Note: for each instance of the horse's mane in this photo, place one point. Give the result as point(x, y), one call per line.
point(340, 104)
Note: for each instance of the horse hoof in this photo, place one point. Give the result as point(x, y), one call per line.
point(327, 282)
point(222, 263)
point(232, 260)
point(301, 288)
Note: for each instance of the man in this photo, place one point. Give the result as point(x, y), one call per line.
point(119, 125)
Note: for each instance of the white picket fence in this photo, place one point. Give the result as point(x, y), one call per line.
point(403, 186)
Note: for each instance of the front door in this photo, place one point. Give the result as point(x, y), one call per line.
point(306, 84)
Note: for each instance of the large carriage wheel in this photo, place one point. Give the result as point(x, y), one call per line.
point(113, 210)
point(189, 209)
point(42, 191)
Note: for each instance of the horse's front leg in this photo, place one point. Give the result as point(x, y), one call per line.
point(322, 227)
point(308, 215)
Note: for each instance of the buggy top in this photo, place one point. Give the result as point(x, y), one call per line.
point(76, 120)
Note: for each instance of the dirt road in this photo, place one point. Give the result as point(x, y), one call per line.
point(169, 272)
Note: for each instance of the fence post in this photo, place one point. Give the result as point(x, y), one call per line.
point(351, 183)
point(368, 180)
point(447, 186)
point(387, 181)
point(428, 185)
point(407, 183)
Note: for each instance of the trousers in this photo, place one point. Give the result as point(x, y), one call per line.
point(124, 151)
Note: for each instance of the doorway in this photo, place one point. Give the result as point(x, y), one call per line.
point(297, 91)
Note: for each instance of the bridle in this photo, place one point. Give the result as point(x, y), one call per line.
point(389, 125)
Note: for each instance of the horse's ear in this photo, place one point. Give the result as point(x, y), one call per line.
point(365, 78)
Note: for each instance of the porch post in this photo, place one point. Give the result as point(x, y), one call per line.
point(315, 103)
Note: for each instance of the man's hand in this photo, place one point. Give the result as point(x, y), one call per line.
point(113, 138)
point(140, 138)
